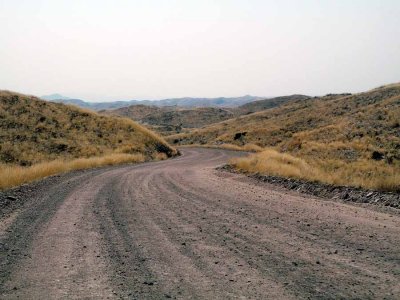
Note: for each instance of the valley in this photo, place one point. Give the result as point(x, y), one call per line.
point(227, 150)
point(96, 203)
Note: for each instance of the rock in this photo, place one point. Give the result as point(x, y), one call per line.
point(239, 135)
point(377, 155)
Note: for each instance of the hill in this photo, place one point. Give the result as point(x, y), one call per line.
point(33, 131)
point(187, 102)
point(264, 104)
point(358, 134)
point(174, 119)
point(136, 112)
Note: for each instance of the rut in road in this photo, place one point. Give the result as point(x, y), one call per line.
point(181, 229)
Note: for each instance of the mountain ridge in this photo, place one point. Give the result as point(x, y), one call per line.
point(182, 102)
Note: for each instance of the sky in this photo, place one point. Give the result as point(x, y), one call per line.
point(101, 50)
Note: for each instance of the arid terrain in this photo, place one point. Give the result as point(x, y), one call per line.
point(200, 150)
point(181, 229)
point(39, 138)
point(340, 139)
point(169, 120)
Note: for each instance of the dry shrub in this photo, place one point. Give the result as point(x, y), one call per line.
point(11, 175)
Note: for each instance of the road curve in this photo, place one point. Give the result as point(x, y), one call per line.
point(181, 229)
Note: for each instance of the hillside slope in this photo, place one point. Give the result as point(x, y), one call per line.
point(135, 112)
point(358, 133)
point(260, 105)
point(189, 118)
point(33, 131)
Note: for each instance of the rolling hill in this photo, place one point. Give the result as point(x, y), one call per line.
point(33, 131)
point(264, 104)
point(174, 119)
point(359, 134)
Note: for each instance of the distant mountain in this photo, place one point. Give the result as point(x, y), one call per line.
point(182, 102)
point(76, 102)
point(54, 97)
point(208, 102)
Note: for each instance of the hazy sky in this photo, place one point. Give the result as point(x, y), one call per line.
point(103, 50)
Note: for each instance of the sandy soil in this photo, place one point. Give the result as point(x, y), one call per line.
point(181, 229)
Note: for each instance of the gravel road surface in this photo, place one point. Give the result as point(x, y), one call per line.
point(182, 229)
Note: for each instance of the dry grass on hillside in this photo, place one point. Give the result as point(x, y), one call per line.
point(363, 173)
point(34, 131)
point(358, 135)
point(40, 138)
point(169, 120)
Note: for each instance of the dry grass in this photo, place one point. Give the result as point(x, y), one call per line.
point(370, 118)
point(34, 131)
point(343, 139)
point(362, 173)
point(246, 148)
point(40, 138)
point(12, 175)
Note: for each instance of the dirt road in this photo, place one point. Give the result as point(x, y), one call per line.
point(181, 229)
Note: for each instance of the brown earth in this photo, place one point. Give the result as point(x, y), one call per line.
point(181, 229)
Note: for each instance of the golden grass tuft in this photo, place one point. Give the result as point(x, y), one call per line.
point(363, 173)
point(274, 163)
point(12, 175)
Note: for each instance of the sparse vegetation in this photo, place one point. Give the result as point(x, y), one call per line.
point(343, 139)
point(39, 138)
point(172, 119)
point(169, 120)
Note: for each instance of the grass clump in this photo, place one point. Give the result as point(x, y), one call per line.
point(361, 173)
point(13, 175)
